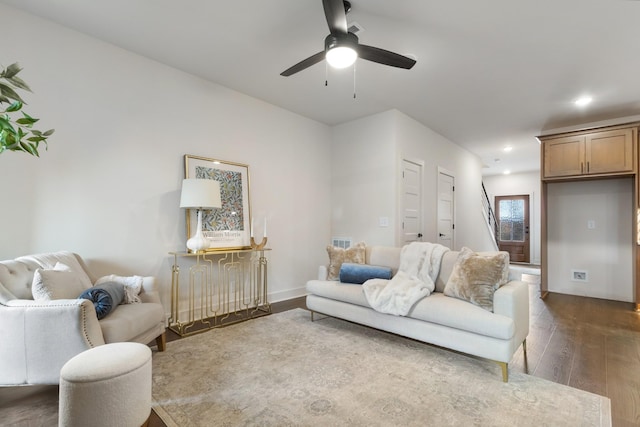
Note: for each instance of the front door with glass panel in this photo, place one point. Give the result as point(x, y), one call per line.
point(513, 226)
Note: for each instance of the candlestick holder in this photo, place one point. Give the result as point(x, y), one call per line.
point(258, 246)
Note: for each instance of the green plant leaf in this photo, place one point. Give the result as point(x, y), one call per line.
point(29, 149)
point(10, 93)
point(26, 121)
point(11, 70)
point(6, 124)
point(19, 83)
point(15, 106)
point(17, 134)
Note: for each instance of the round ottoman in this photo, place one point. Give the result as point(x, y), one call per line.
point(109, 385)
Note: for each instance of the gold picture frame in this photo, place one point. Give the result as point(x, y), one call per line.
point(228, 227)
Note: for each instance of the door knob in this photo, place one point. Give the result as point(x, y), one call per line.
point(419, 235)
point(442, 235)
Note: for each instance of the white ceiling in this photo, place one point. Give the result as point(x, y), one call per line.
point(490, 73)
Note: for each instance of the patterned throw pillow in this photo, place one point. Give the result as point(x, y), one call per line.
point(354, 255)
point(476, 277)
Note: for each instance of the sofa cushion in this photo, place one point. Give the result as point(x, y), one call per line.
point(360, 273)
point(476, 277)
point(446, 268)
point(384, 256)
point(347, 292)
point(455, 313)
point(436, 308)
point(128, 321)
point(354, 254)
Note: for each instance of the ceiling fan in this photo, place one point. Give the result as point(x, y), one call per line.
point(341, 47)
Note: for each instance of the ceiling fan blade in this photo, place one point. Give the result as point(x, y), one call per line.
point(336, 16)
point(385, 57)
point(306, 63)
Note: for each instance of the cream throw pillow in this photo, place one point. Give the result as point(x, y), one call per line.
point(353, 255)
point(475, 277)
point(57, 284)
point(82, 275)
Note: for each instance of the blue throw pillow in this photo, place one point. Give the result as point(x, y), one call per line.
point(360, 273)
point(105, 297)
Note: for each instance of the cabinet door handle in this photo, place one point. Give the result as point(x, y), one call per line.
point(581, 167)
point(588, 167)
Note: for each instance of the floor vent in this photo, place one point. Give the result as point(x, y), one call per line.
point(342, 242)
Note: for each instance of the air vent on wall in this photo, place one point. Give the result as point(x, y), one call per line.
point(355, 28)
point(341, 242)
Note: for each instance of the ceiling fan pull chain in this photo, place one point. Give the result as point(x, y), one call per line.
point(326, 73)
point(354, 80)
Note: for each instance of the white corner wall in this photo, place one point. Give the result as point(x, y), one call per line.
point(527, 183)
point(363, 179)
point(108, 187)
point(366, 155)
point(604, 252)
point(416, 141)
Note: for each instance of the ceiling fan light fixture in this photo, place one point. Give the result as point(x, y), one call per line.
point(341, 56)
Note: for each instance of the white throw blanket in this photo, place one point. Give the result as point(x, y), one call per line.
point(415, 279)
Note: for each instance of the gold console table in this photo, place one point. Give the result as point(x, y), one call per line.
point(224, 287)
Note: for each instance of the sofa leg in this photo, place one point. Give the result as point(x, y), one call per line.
point(505, 371)
point(161, 341)
point(524, 347)
point(312, 317)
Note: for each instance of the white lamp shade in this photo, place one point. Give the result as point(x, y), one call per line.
point(200, 194)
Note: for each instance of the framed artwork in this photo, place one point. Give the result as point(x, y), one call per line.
point(229, 226)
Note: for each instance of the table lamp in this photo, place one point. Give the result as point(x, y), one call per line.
point(200, 194)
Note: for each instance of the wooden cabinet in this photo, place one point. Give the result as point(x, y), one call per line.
point(609, 151)
point(596, 153)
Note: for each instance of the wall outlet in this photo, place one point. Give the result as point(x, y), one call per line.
point(579, 276)
point(591, 224)
point(383, 221)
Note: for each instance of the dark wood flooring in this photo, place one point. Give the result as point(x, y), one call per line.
point(586, 343)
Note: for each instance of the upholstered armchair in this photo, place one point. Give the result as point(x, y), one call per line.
point(40, 336)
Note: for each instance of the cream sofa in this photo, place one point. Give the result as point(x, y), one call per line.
point(437, 319)
point(38, 338)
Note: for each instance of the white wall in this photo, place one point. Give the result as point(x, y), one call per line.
point(108, 188)
point(363, 182)
point(605, 251)
point(520, 184)
point(366, 156)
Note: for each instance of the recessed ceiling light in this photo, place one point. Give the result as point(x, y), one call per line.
point(507, 148)
point(507, 172)
point(583, 100)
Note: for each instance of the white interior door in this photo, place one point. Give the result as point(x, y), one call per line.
point(446, 208)
point(411, 201)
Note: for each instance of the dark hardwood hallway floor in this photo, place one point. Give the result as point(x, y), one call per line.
point(586, 343)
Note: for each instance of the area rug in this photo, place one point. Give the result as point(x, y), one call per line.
point(284, 370)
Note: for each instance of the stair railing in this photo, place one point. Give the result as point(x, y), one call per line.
point(489, 215)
